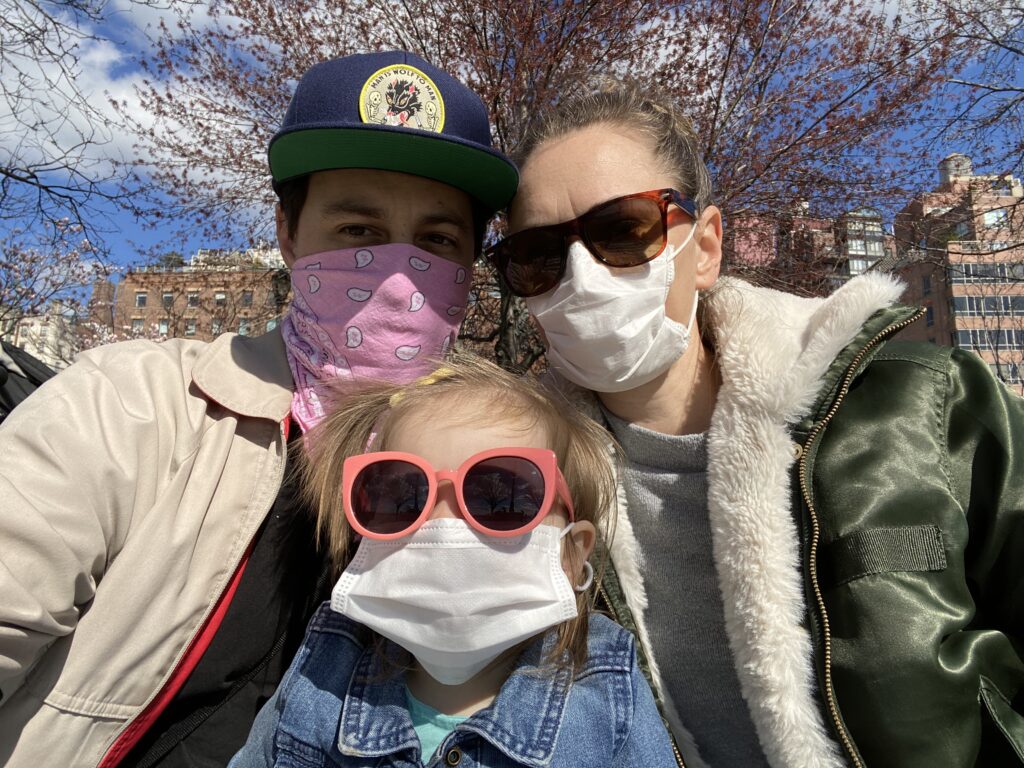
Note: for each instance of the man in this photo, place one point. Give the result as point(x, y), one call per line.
point(158, 566)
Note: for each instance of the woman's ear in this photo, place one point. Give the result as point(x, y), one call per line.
point(709, 247)
point(577, 546)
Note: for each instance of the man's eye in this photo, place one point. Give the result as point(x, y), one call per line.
point(441, 239)
point(355, 230)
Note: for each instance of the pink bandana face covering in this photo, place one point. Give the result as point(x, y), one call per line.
point(361, 315)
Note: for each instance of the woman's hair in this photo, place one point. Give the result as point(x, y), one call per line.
point(468, 391)
point(624, 104)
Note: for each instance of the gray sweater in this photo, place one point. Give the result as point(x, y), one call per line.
point(664, 479)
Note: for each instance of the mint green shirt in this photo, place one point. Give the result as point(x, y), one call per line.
point(430, 725)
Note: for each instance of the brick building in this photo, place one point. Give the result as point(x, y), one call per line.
point(816, 253)
point(962, 255)
point(215, 292)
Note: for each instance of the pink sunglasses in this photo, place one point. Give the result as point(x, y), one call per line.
point(500, 492)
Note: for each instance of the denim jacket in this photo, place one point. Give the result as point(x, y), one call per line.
point(337, 706)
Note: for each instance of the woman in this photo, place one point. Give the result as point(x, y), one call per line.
point(799, 490)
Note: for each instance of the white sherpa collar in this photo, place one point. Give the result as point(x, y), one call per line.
point(773, 351)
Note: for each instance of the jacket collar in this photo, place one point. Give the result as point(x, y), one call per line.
point(775, 352)
point(248, 375)
point(522, 722)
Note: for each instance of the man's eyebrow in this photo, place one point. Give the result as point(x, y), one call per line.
point(446, 218)
point(359, 208)
point(351, 206)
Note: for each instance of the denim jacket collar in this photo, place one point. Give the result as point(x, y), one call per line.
point(522, 722)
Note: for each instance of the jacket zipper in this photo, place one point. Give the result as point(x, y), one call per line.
point(615, 617)
point(110, 756)
point(816, 527)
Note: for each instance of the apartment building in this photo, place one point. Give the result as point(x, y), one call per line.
point(214, 292)
point(812, 253)
point(50, 336)
point(961, 251)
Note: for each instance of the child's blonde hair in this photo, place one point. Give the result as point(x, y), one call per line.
point(467, 390)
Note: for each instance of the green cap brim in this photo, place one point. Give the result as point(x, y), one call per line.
point(486, 177)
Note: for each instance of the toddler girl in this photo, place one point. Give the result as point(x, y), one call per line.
point(459, 633)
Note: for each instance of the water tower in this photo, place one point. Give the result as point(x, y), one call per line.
point(955, 166)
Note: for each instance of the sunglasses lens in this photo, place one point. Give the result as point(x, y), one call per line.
point(626, 233)
point(388, 496)
point(504, 493)
point(531, 261)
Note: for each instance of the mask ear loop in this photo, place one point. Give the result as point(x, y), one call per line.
point(587, 567)
point(672, 265)
point(587, 581)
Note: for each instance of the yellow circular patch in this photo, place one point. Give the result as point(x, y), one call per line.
point(401, 95)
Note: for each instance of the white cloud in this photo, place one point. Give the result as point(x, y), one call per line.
point(64, 110)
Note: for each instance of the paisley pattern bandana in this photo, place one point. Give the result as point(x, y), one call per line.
point(362, 315)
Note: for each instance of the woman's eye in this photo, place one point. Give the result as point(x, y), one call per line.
point(626, 226)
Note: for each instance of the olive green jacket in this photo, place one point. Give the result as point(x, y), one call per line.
point(867, 503)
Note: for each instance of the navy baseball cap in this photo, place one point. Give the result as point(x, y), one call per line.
point(392, 111)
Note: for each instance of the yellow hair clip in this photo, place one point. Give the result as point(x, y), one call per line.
point(423, 381)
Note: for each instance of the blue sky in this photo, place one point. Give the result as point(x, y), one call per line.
point(106, 70)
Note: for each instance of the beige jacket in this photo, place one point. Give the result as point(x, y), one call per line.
point(131, 485)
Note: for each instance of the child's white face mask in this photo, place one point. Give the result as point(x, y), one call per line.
point(454, 598)
point(606, 328)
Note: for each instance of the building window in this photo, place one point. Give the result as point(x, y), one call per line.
point(995, 219)
point(857, 266)
point(215, 326)
point(220, 299)
point(137, 325)
point(983, 273)
point(1008, 373)
point(190, 327)
point(243, 327)
point(246, 298)
point(929, 316)
point(140, 299)
point(926, 285)
point(164, 326)
point(989, 306)
point(271, 323)
point(874, 247)
point(1004, 338)
point(855, 245)
point(193, 299)
point(167, 299)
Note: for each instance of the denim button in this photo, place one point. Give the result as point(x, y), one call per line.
point(453, 756)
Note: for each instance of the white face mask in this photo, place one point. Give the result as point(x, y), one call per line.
point(606, 328)
point(454, 598)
